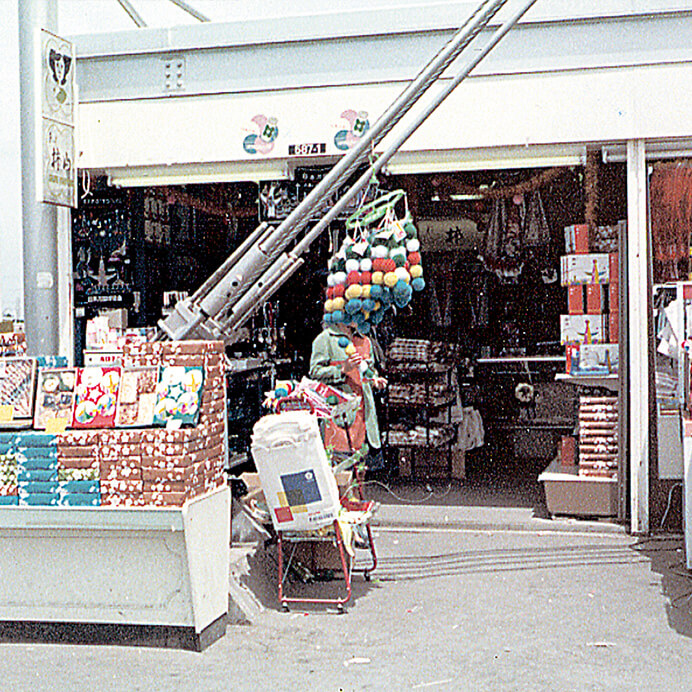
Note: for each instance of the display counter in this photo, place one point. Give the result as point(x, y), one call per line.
point(165, 566)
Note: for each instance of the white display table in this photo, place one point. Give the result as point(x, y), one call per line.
point(161, 566)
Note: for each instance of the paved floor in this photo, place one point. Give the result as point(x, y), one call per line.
point(448, 609)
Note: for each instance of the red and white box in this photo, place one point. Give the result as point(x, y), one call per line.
point(577, 239)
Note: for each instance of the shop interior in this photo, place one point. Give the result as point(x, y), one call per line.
point(491, 243)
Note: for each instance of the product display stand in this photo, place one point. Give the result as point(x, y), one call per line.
point(420, 391)
point(162, 566)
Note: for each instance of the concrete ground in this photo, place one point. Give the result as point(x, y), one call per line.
point(447, 608)
point(475, 589)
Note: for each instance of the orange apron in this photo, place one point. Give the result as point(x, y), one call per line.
point(352, 440)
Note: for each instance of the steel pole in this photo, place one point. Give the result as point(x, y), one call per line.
point(39, 220)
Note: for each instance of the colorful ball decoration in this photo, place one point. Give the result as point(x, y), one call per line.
point(370, 275)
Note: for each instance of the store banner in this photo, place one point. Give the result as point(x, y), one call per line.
point(439, 235)
point(56, 164)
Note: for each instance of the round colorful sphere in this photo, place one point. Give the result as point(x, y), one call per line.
point(350, 350)
point(414, 258)
point(343, 341)
point(353, 306)
point(352, 265)
point(365, 264)
point(413, 244)
point(353, 278)
point(365, 277)
point(339, 291)
point(338, 304)
point(337, 316)
point(366, 290)
point(339, 278)
point(328, 305)
point(416, 270)
point(418, 284)
point(402, 274)
point(375, 291)
point(354, 291)
point(390, 279)
point(377, 278)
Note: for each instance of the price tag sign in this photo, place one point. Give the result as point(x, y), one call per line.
point(6, 413)
point(56, 425)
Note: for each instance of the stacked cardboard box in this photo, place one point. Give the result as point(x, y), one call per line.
point(12, 344)
point(177, 465)
point(592, 281)
point(9, 490)
point(598, 436)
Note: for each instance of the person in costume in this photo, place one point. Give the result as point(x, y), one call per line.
point(337, 358)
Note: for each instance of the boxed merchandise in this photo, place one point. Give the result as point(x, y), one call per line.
point(596, 359)
point(577, 239)
point(614, 327)
point(595, 299)
point(575, 300)
point(583, 329)
point(584, 269)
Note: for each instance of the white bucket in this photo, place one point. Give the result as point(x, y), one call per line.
point(298, 483)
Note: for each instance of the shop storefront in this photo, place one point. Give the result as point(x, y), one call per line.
point(570, 126)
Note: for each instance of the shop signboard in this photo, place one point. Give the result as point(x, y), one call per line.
point(440, 235)
point(56, 164)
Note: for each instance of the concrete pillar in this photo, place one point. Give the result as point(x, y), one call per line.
point(39, 220)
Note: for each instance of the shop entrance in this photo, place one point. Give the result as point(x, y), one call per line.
point(491, 243)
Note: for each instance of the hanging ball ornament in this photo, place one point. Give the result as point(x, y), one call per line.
point(339, 278)
point(328, 305)
point(390, 279)
point(418, 284)
point(338, 304)
point(402, 274)
point(377, 277)
point(337, 316)
point(352, 265)
point(353, 306)
point(366, 265)
point(413, 245)
point(343, 341)
point(339, 291)
point(367, 288)
point(416, 270)
point(353, 278)
point(354, 291)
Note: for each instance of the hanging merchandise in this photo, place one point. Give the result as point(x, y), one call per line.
point(377, 267)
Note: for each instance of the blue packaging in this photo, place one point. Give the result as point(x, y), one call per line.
point(51, 361)
point(8, 438)
point(35, 439)
point(31, 475)
point(31, 452)
point(39, 499)
point(80, 500)
point(9, 500)
point(37, 462)
point(37, 487)
point(81, 487)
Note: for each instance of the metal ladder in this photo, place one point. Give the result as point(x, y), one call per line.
point(263, 262)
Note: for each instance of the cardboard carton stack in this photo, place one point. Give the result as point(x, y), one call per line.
point(176, 465)
point(12, 344)
point(598, 436)
point(126, 467)
point(590, 271)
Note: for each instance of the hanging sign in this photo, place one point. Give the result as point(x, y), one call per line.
point(438, 235)
point(56, 164)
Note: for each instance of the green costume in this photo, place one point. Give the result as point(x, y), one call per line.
point(325, 365)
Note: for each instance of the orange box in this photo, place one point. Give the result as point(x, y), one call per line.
point(577, 239)
point(575, 300)
point(614, 297)
point(614, 267)
point(614, 327)
point(568, 447)
point(595, 299)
